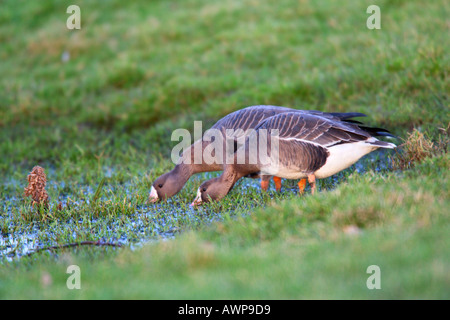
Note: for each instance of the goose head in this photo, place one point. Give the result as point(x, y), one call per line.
point(216, 188)
point(211, 190)
point(166, 186)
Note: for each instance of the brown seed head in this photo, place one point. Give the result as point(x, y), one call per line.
point(36, 186)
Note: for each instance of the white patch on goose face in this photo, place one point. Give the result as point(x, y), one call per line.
point(153, 197)
point(198, 199)
point(343, 156)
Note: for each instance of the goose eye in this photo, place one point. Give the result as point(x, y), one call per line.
point(204, 189)
point(160, 185)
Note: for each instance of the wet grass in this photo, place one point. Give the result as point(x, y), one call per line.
point(294, 248)
point(114, 212)
point(99, 105)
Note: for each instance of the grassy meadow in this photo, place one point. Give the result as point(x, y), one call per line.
point(96, 108)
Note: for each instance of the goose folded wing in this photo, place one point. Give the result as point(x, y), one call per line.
point(313, 129)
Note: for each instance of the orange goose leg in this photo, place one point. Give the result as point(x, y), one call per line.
point(277, 181)
point(302, 186)
point(312, 181)
point(264, 185)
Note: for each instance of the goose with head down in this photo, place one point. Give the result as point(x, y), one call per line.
point(170, 183)
point(309, 146)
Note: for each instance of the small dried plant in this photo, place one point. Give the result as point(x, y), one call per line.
point(418, 146)
point(36, 188)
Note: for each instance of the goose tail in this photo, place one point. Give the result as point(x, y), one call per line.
point(377, 131)
point(382, 144)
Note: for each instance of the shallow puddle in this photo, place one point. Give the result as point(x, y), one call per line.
point(146, 222)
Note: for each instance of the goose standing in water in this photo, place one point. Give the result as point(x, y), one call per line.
point(170, 183)
point(309, 146)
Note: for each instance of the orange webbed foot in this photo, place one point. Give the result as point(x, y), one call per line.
point(277, 181)
point(264, 185)
point(302, 186)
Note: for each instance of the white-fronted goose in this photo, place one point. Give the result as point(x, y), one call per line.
point(170, 183)
point(309, 146)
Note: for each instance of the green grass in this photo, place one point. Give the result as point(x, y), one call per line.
point(139, 70)
point(297, 248)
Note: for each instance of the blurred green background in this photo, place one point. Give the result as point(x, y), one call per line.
point(136, 67)
point(106, 98)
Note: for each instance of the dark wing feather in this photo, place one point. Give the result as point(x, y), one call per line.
point(377, 131)
point(347, 115)
point(250, 117)
point(314, 129)
point(310, 125)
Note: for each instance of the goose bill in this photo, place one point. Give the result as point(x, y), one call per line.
point(198, 199)
point(153, 197)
